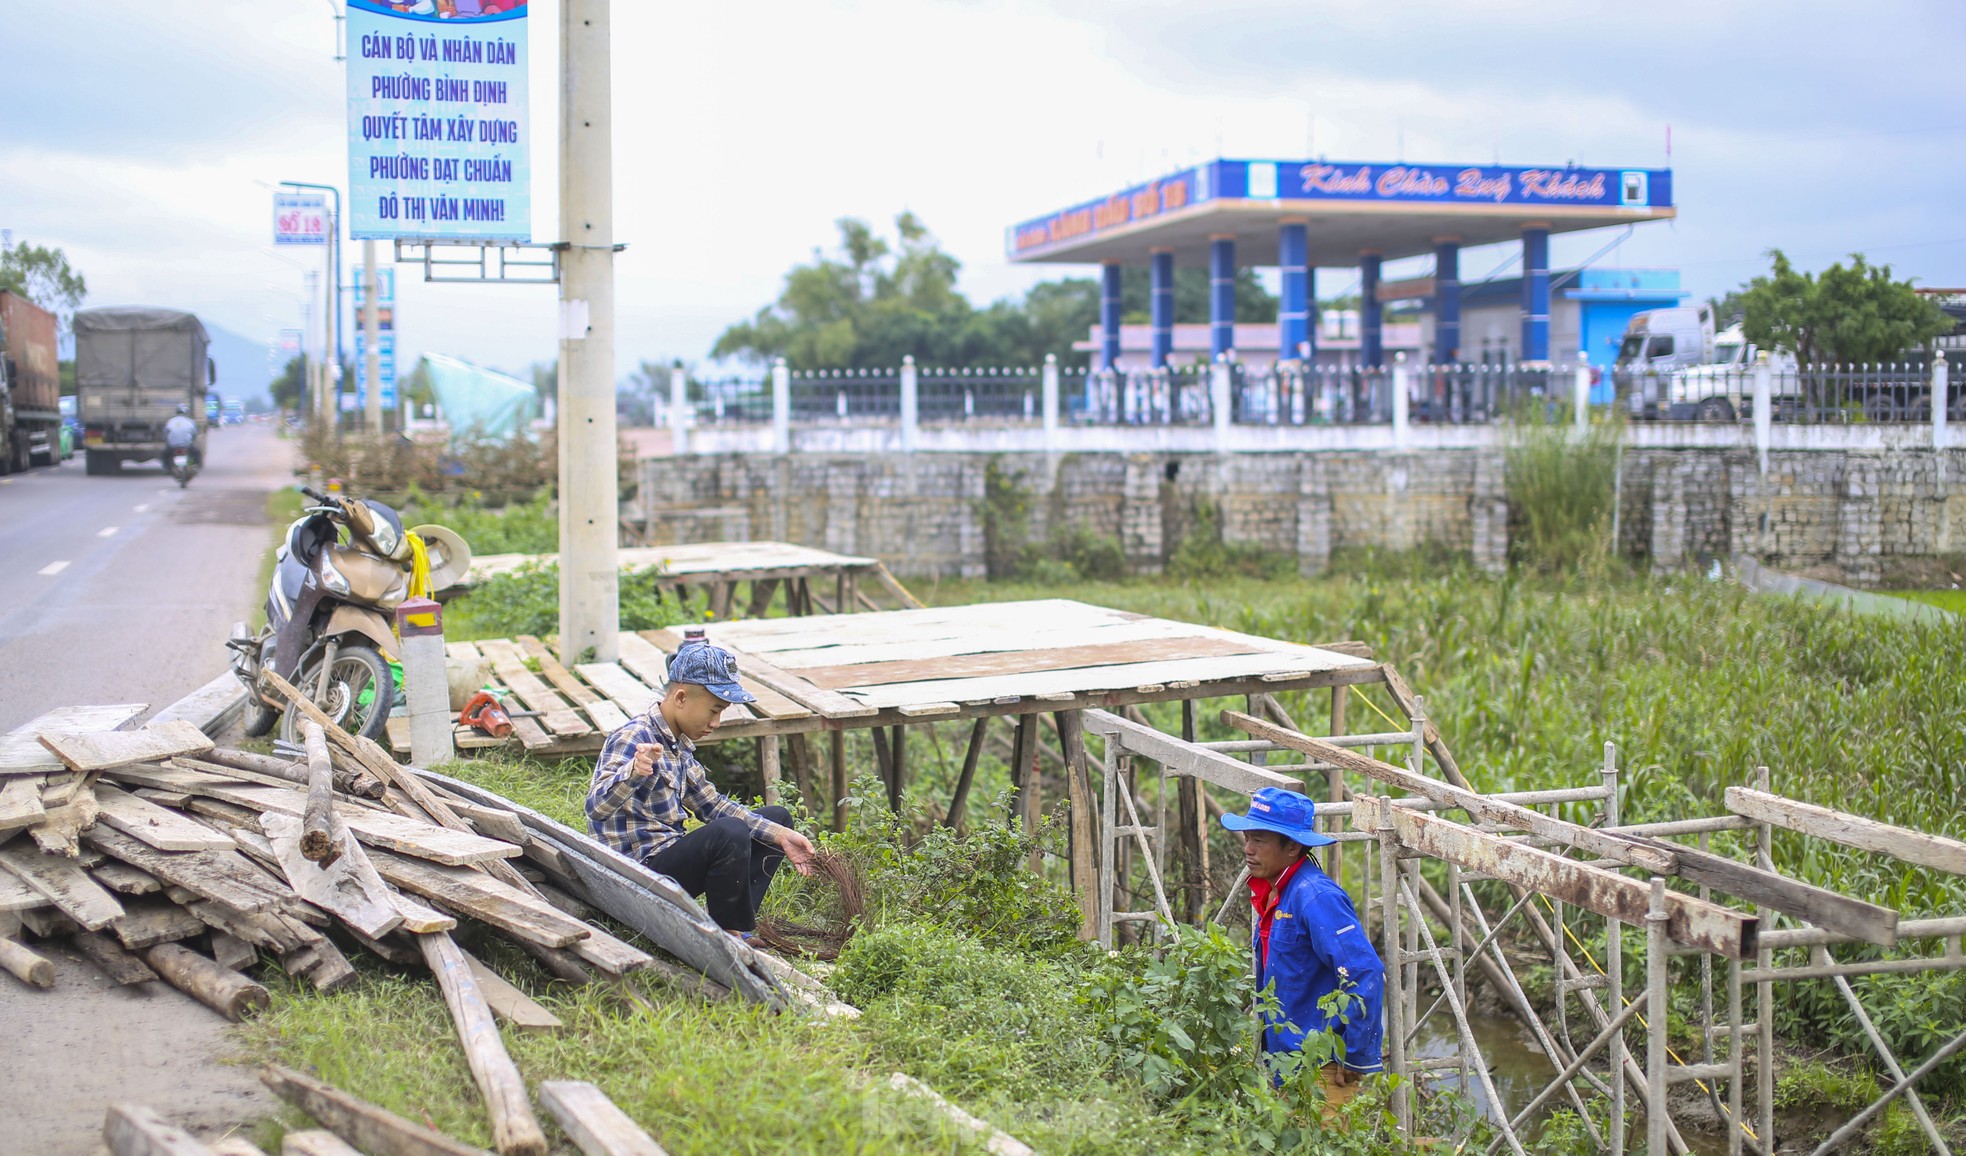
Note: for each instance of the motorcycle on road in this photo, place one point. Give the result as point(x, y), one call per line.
point(338, 577)
point(181, 464)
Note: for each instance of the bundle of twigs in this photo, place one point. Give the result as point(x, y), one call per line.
point(819, 942)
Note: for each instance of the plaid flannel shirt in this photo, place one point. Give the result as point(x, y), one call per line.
point(640, 817)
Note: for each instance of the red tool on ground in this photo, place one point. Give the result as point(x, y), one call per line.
point(483, 713)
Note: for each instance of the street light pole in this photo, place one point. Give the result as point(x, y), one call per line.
point(326, 410)
point(590, 584)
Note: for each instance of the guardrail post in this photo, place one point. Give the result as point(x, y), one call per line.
point(1764, 407)
point(781, 407)
point(910, 404)
point(420, 623)
point(1049, 402)
point(679, 414)
point(1941, 388)
point(1401, 418)
point(1218, 401)
point(1581, 390)
point(1656, 949)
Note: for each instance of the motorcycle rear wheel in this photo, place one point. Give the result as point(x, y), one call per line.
point(358, 672)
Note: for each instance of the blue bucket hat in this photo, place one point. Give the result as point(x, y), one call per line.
point(1285, 812)
point(711, 667)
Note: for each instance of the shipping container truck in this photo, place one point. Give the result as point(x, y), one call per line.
point(134, 366)
point(30, 385)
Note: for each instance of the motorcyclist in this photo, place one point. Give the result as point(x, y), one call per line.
point(181, 436)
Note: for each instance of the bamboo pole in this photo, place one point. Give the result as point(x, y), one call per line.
point(515, 1130)
point(317, 842)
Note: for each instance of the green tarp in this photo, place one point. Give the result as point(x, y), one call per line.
point(477, 402)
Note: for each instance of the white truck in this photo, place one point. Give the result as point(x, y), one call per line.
point(1672, 364)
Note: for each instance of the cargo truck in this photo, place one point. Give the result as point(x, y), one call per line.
point(134, 366)
point(30, 385)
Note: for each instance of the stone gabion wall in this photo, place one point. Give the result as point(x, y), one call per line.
point(924, 513)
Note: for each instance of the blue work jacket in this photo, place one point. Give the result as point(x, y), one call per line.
point(1316, 941)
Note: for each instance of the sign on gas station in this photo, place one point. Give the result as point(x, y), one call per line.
point(385, 310)
point(300, 219)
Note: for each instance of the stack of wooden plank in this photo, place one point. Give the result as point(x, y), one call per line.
point(157, 855)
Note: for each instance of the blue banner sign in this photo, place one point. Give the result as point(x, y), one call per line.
point(438, 133)
point(1302, 183)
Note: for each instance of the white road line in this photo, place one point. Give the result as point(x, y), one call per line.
point(54, 568)
point(107, 532)
point(142, 508)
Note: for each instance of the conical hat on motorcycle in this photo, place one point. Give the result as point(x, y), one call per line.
point(450, 555)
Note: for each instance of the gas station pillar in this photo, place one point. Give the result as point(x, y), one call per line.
point(1371, 336)
point(1109, 316)
point(1447, 300)
point(1536, 292)
point(1221, 295)
point(1294, 314)
point(1161, 305)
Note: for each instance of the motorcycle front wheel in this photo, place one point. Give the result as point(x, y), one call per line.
point(360, 689)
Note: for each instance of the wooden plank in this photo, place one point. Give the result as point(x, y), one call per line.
point(642, 659)
point(1199, 671)
point(160, 827)
point(120, 966)
point(1025, 619)
point(81, 720)
point(315, 1142)
point(226, 877)
point(346, 885)
point(384, 829)
point(1934, 851)
point(96, 752)
point(20, 802)
point(59, 833)
point(149, 922)
point(490, 822)
point(65, 884)
point(367, 1127)
point(16, 895)
point(509, 664)
point(135, 1130)
point(126, 879)
point(515, 1129)
point(627, 692)
point(25, 965)
point(1818, 905)
point(1020, 661)
point(1690, 920)
point(210, 707)
point(979, 639)
point(605, 716)
point(508, 1003)
point(1186, 758)
point(483, 898)
point(592, 1121)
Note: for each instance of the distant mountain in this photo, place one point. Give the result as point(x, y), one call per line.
point(244, 370)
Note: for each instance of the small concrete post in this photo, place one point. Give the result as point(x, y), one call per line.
point(1049, 406)
point(1401, 418)
point(679, 414)
point(1581, 389)
point(1218, 401)
point(1941, 387)
point(1764, 408)
point(781, 407)
point(420, 623)
point(910, 405)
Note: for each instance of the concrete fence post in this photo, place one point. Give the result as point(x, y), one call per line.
point(426, 686)
point(781, 407)
point(1941, 388)
point(1219, 402)
point(1581, 389)
point(911, 412)
point(1402, 418)
point(1764, 408)
point(679, 415)
point(1050, 402)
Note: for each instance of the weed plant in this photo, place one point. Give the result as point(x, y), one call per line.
point(1562, 491)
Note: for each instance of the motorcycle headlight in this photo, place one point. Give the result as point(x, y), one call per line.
point(332, 578)
point(385, 537)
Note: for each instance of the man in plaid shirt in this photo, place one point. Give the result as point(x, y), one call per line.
point(648, 777)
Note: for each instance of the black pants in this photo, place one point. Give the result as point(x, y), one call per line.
point(723, 863)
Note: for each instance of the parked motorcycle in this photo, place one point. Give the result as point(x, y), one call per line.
point(337, 578)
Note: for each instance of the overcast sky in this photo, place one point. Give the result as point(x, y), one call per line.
point(144, 137)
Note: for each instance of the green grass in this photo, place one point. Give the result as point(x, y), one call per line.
point(1953, 600)
point(282, 507)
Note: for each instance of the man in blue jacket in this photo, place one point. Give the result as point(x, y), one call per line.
point(1309, 942)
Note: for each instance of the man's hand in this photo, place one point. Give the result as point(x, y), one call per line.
point(797, 848)
point(644, 764)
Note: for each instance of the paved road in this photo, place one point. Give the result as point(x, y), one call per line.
point(122, 589)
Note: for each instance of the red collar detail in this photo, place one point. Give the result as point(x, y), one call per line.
point(1265, 895)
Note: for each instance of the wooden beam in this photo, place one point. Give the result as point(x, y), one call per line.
point(507, 1002)
point(315, 1142)
point(1084, 822)
point(1818, 905)
point(1690, 920)
point(1185, 759)
point(346, 885)
point(316, 843)
point(135, 1130)
point(220, 988)
point(25, 965)
point(1917, 847)
point(65, 884)
point(119, 965)
point(960, 800)
point(592, 1121)
point(515, 1130)
point(371, 1129)
point(1430, 734)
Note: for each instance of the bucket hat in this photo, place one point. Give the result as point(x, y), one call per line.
point(1287, 813)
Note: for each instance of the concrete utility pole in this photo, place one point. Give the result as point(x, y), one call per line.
point(371, 331)
point(590, 584)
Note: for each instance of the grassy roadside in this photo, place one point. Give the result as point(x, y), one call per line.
point(282, 507)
